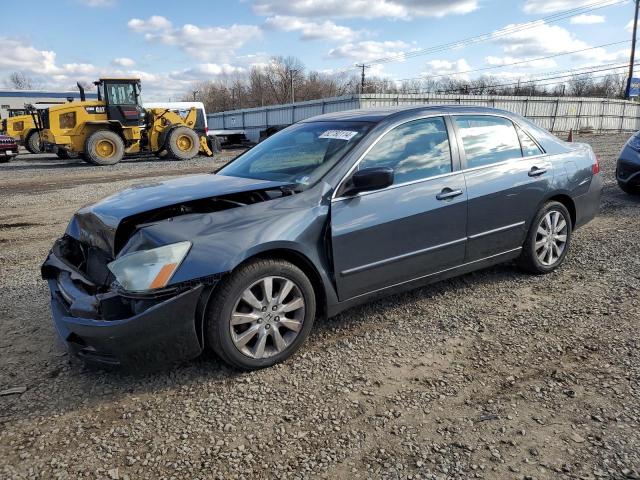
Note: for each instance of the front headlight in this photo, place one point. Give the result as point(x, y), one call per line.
point(149, 269)
point(634, 142)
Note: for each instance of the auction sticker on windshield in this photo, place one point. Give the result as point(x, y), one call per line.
point(339, 134)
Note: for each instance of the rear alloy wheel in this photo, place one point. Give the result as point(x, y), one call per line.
point(104, 147)
point(182, 143)
point(548, 239)
point(261, 314)
point(33, 142)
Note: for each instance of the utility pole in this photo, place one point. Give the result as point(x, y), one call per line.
point(362, 81)
point(293, 94)
point(633, 49)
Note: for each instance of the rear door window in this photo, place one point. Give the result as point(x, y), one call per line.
point(487, 139)
point(529, 147)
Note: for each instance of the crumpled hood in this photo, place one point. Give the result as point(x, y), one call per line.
point(96, 224)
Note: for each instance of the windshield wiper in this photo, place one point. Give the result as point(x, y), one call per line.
point(291, 189)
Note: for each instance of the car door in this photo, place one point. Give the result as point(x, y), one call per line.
point(413, 228)
point(507, 176)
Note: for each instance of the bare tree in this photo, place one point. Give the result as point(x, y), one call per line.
point(271, 85)
point(21, 81)
point(580, 85)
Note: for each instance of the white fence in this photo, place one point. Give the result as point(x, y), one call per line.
point(557, 114)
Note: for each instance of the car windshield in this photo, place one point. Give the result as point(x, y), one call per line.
point(300, 154)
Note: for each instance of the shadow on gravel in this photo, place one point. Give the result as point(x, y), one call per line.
point(46, 166)
point(55, 163)
point(77, 386)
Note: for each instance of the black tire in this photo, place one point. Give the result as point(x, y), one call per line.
point(5, 159)
point(629, 189)
point(227, 294)
point(32, 142)
point(182, 143)
point(66, 154)
point(214, 144)
point(104, 147)
point(529, 260)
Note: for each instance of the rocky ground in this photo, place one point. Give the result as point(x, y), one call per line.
point(496, 374)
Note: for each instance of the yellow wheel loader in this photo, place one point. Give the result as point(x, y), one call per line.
point(104, 130)
point(21, 126)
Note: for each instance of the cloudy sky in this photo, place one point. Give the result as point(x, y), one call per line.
point(170, 44)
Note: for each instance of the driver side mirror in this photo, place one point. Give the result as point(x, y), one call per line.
point(369, 179)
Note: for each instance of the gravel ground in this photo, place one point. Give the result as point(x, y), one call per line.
point(495, 374)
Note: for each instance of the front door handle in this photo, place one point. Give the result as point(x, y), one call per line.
point(536, 172)
point(448, 194)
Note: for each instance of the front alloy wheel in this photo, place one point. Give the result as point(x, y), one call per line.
point(267, 317)
point(260, 314)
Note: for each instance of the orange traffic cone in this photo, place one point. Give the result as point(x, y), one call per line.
point(570, 138)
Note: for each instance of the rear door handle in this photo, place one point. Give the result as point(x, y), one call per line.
point(536, 172)
point(448, 194)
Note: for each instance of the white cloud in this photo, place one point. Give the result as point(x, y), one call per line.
point(123, 62)
point(98, 3)
point(370, 50)
point(365, 8)
point(585, 19)
point(521, 62)
point(550, 6)
point(449, 68)
point(629, 26)
point(546, 40)
point(41, 66)
point(152, 24)
point(309, 30)
point(15, 55)
point(204, 43)
point(206, 71)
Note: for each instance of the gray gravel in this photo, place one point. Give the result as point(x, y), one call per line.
point(496, 374)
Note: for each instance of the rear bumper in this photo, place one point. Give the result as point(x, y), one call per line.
point(8, 150)
point(588, 204)
point(164, 333)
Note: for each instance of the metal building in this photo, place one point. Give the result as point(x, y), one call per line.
point(557, 114)
point(16, 99)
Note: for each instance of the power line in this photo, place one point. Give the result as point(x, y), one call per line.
point(428, 77)
point(534, 80)
point(568, 74)
point(499, 33)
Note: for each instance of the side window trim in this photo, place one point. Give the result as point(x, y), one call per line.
point(463, 155)
point(456, 157)
point(520, 128)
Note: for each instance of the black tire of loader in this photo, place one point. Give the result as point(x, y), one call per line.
point(32, 143)
point(91, 155)
point(171, 143)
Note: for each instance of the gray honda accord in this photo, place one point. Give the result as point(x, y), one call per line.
point(326, 214)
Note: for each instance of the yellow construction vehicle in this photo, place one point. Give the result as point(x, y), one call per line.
point(102, 131)
point(21, 126)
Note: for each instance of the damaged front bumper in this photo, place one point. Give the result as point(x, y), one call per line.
point(113, 328)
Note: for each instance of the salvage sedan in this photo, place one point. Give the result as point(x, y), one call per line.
point(326, 214)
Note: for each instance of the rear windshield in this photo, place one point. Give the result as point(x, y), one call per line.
point(300, 154)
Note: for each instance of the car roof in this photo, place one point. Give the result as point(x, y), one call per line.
point(377, 115)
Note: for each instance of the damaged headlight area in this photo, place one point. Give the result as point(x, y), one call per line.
point(149, 269)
